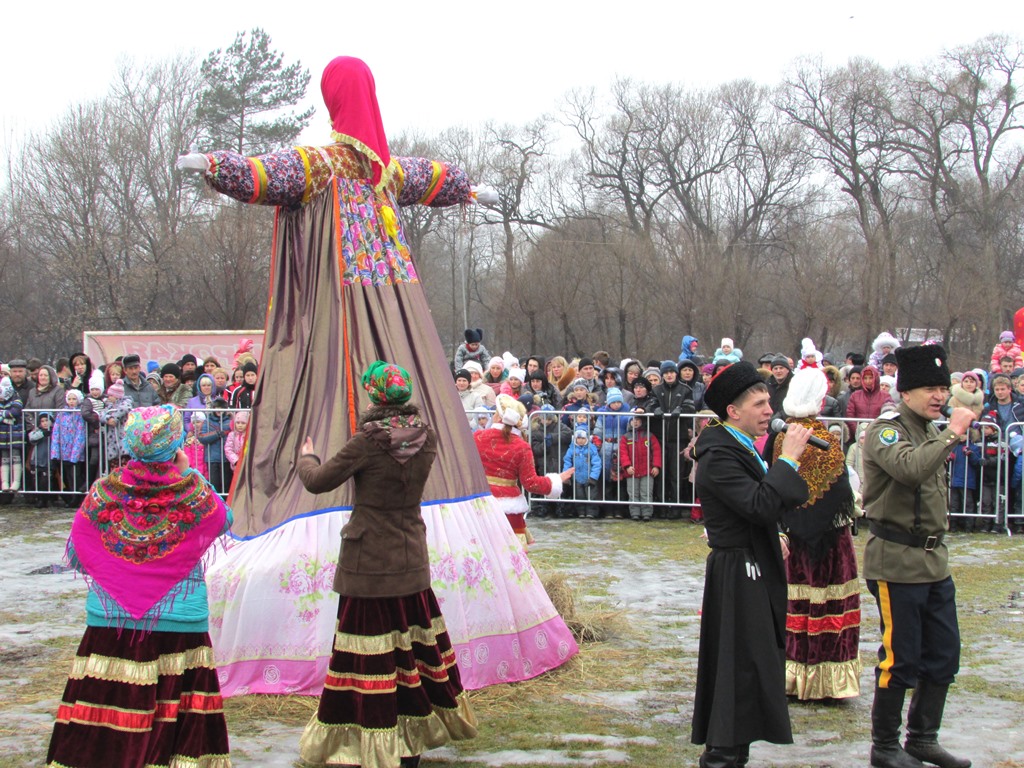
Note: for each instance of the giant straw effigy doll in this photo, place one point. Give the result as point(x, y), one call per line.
point(344, 293)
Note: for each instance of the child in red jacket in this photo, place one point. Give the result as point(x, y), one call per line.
point(640, 459)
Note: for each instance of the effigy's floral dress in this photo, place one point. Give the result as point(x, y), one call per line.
point(344, 293)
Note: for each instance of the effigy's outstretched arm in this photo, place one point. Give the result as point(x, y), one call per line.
point(288, 178)
point(430, 182)
point(291, 177)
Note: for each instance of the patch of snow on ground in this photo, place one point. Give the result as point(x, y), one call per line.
point(542, 757)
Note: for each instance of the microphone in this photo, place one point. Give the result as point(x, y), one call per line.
point(778, 425)
point(947, 411)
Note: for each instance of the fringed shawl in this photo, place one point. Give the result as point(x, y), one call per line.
point(141, 532)
point(829, 506)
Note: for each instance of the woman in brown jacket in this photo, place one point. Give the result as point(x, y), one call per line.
point(393, 688)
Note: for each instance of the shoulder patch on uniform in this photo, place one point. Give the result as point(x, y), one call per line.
point(888, 436)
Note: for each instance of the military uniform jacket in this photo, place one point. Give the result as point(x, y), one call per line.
point(904, 452)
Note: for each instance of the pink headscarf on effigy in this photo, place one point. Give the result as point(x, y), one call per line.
point(350, 94)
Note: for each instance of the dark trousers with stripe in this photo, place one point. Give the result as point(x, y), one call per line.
point(920, 634)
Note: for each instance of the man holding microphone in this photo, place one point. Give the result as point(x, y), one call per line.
point(906, 563)
point(741, 677)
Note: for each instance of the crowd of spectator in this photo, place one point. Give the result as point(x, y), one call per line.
point(62, 425)
point(626, 426)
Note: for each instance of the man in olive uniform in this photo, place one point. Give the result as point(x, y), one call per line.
point(906, 563)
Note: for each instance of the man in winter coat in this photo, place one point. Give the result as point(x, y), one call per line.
point(778, 386)
point(675, 404)
point(741, 674)
point(135, 386)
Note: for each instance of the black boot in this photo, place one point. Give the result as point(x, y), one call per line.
point(720, 757)
point(886, 718)
point(924, 718)
point(743, 752)
point(411, 762)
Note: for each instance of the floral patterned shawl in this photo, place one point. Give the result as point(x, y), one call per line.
point(141, 531)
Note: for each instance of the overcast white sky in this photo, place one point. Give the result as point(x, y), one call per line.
point(463, 63)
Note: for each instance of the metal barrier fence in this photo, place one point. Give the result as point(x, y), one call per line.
point(986, 487)
point(58, 458)
point(610, 491)
point(606, 486)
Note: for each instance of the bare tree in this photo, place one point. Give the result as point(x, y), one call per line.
point(961, 122)
point(848, 114)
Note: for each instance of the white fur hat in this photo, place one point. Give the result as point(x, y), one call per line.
point(96, 381)
point(510, 411)
point(885, 339)
point(726, 342)
point(807, 349)
point(473, 367)
point(807, 390)
point(517, 373)
point(511, 361)
point(890, 380)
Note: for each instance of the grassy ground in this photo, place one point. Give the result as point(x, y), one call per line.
point(626, 698)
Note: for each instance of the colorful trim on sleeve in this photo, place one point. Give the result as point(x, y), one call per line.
point(304, 156)
point(427, 182)
point(437, 173)
point(259, 180)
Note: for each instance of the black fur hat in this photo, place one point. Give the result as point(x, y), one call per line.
point(923, 366)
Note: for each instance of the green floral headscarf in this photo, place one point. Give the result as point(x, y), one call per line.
point(387, 383)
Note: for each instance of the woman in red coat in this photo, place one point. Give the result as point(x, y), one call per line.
point(508, 464)
point(867, 402)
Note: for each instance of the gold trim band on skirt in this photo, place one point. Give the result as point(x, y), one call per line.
point(118, 670)
point(827, 680)
point(374, 645)
point(350, 744)
point(824, 594)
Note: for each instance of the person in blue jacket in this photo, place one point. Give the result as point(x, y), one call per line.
point(584, 456)
point(688, 351)
point(965, 459)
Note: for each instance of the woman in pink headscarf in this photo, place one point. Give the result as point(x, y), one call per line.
point(143, 687)
point(345, 293)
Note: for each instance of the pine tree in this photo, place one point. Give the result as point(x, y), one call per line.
point(244, 82)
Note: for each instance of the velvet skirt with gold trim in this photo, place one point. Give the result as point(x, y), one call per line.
point(392, 689)
point(823, 622)
point(135, 700)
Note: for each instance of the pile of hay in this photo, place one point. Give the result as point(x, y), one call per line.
point(593, 627)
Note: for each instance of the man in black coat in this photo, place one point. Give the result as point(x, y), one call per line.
point(672, 427)
point(741, 674)
point(778, 385)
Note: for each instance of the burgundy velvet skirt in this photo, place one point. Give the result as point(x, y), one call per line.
point(392, 689)
point(137, 699)
point(823, 622)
